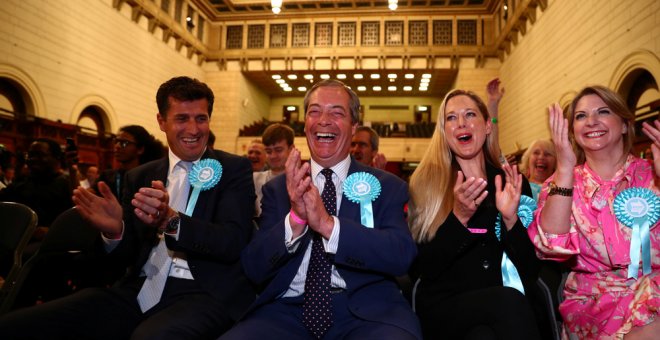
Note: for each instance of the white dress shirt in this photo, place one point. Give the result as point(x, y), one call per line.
point(297, 285)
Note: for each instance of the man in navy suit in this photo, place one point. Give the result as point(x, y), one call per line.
point(195, 247)
point(307, 212)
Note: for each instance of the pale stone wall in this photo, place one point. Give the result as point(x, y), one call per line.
point(571, 45)
point(85, 52)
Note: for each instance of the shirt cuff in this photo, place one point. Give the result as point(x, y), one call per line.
point(290, 243)
point(332, 244)
point(110, 244)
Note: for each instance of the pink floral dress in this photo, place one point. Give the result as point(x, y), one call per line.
point(601, 302)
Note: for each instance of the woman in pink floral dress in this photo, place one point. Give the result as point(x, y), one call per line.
point(575, 222)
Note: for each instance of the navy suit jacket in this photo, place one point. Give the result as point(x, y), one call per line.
point(367, 259)
point(212, 238)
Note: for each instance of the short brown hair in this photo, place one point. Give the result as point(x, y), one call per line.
point(276, 132)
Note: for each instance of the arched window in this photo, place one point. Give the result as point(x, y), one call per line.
point(11, 100)
point(91, 121)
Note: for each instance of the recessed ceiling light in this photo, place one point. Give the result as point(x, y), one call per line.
point(287, 89)
point(302, 89)
point(358, 76)
point(276, 76)
point(426, 80)
point(376, 88)
point(284, 85)
point(422, 88)
point(426, 75)
point(391, 88)
point(410, 76)
point(290, 108)
point(422, 108)
point(375, 76)
point(325, 76)
point(292, 76)
point(362, 88)
point(280, 81)
point(407, 88)
point(341, 76)
point(309, 76)
point(391, 76)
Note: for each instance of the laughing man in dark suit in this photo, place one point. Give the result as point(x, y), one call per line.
point(308, 220)
point(158, 230)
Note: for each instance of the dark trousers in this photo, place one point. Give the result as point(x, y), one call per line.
point(282, 319)
point(184, 312)
point(490, 313)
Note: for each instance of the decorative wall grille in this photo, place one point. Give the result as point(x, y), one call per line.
point(393, 33)
point(442, 32)
point(370, 33)
point(256, 36)
point(277, 35)
point(300, 35)
point(234, 37)
point(467, 32)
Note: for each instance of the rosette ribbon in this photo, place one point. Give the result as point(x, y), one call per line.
point(510, 276)
point(204, 175)
point(639, 209)
point(363, 188)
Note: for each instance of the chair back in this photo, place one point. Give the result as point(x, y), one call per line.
point(59, 267)
point(17, 223)
point(69, 232)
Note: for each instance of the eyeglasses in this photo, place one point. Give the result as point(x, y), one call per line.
point(123, 143)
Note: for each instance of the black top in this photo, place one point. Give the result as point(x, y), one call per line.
point(456, 261)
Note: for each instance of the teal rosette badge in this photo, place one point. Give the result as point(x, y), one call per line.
point(204, 175)
point(363, 188)
point(639, 209)
point(510, 276)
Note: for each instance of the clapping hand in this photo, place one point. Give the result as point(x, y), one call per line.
point(468, 195)
point(298, 182)
point(566, 159)
point(103, 212)
point(151, 205)
point(507, 198)
point(318, 218)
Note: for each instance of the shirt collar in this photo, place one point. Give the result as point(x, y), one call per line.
point(340, 169)
point(174, 159)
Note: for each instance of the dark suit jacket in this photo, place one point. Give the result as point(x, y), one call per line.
point(367, 259)
point(212, 239)
point(456, 261)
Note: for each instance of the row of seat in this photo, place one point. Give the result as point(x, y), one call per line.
point(62, 265)
point(65, 263)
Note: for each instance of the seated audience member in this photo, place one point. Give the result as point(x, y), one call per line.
point(463, 214)
point(183, 279)
point(538, 163)
point(326, 274)
point(585, 218)
point(278, 142)
point(133, 146)
point(91, 175)
point(364, 148)
point(257, 155)
point(46, 189)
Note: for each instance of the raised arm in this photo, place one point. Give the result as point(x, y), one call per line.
point(556, 214)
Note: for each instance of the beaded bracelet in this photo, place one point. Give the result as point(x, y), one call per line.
point(494, 120)
point(297, 219)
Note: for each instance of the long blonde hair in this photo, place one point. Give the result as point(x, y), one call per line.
point(432, 183)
